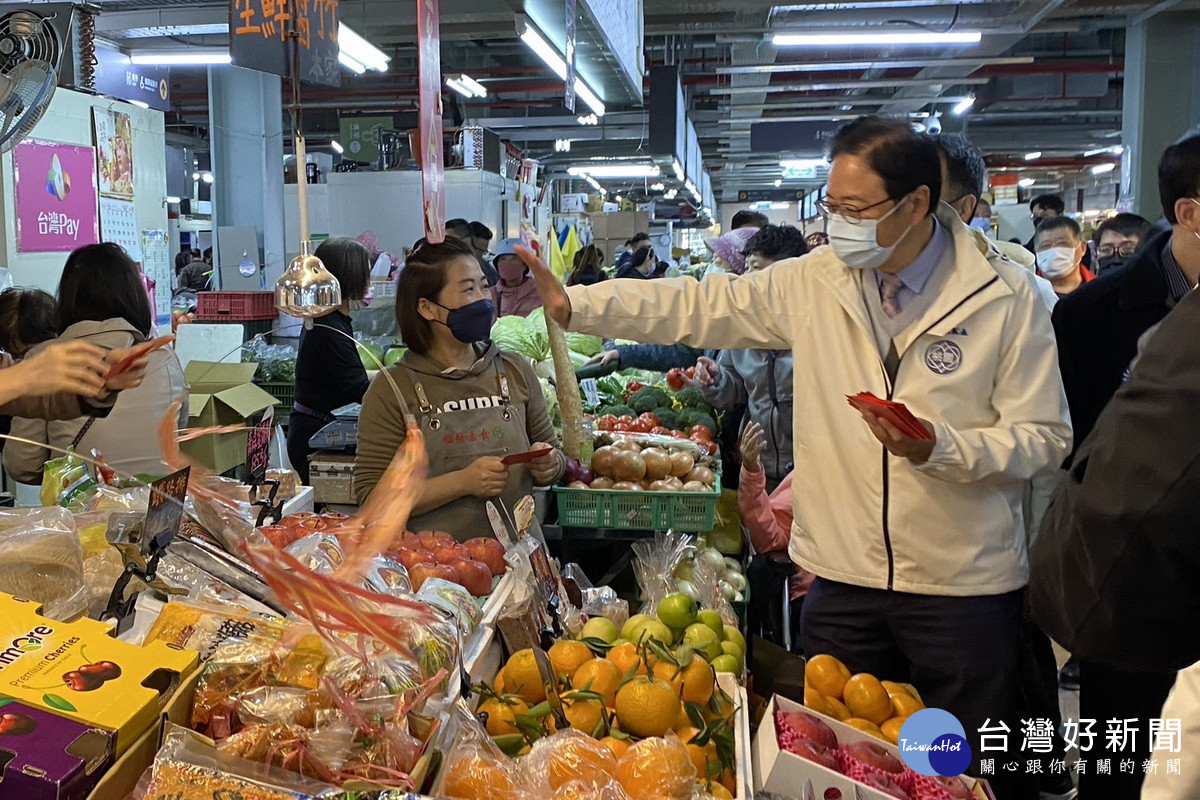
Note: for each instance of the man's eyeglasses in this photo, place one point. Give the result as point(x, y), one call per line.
point(1124, 249)
point(850, 213)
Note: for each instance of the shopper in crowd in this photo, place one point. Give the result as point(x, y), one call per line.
point(748, 219)
point(917, 543)
point(516, 293)
point(28, 317)
point(101, 302)
point(1043, 207)
point(196, 276)
point(460, 230)
point(983, 217)
point(727, 250)
point(1117, 238)
point(475, 403)
point(1098, 330)
point(816, 239)
point(640, 264)
point(760, 381)
point(639, 242)
point(481, 239)
point(1059, 247)
point(184, 257)
point(329, 372)
point(588, 267)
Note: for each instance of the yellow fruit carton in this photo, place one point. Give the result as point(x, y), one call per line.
point(833, 752)
point(79, 671)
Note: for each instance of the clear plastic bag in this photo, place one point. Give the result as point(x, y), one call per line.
point(654, 563)
point(564, 757)
point(41, 559)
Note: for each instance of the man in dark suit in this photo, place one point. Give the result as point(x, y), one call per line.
point(1098, 329)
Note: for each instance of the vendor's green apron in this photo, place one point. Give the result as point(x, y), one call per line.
point(455, 440)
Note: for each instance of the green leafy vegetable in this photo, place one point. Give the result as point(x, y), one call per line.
point(524, 335)
point(584, 344)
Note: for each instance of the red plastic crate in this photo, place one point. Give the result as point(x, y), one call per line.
point(235, 305)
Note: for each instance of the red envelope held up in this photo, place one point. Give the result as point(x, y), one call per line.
point(895, 413)
point(526, 457)
point(122, 366)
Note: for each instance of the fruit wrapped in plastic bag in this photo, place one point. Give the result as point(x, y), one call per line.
point(41, 559)
point(569, 755)
point(474, 768)
point(654, 563)
point(657, 769)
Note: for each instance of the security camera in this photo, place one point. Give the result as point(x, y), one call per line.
point(933, 124)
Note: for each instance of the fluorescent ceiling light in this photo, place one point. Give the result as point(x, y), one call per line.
point(158, 31)
point(337, 146)
point(875, 63)
point(351, 64)
point(1117, 150)
point(616, 171)
point(802, 163)
point(678, 170)
point(172, 199)
point(195, 56)
point(1100, 169)
point(874, 38)
point(1026, 182)
point(475, 86)
point(562, 145)
point(140, 103)
point(657, 187)
point(595, 184)
point(454, 84)
point(589, 119)
point(195, 176)
point(963, 105)
point(670, 194)
point(778, 182)
point(558, 65)
point(780, 206)
point(359, 49)
point(1034, 156)
point(207, 177)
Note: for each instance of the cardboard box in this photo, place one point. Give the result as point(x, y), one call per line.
point(624, 224)
point(47, 757)
point(331, 476)
point(221, 394)
point(599, 225)
point(79, 671)
point(777, 771)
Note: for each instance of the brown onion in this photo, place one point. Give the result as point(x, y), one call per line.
point(702, 474)
point(627, 486)
point(628, 466)
point(602, 482)
point(681, 463)
point(696, 486)
point(602, 460)
point(658, 463)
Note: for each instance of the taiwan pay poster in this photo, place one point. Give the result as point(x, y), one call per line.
point(56, 196)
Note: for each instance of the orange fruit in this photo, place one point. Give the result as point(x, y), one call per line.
point(568, 656)
point(583, 715)
point(521, 677)
point(501, 716)
point(867, 699)
point(576, 790)
point(616, 746)
point(891, 729)
point(727, 780)
point(647, 707)
point(580, 758)
point(699, 681)
point(827, 675)
point(603, 676)
point(701, 756)
point(684, 722)
point(625, 656)
point(720, 792)
point(656, 769)
point(905, 705)
point(477, 777)
point(838, 710)
point(866, 726)
point(826, 705)
point(498, 682)
point(894, 688)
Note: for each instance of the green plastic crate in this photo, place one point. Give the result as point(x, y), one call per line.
point(693, 512)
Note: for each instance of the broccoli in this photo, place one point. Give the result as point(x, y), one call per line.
point(648, 398)
point(692, 416)
point(668, 418)
point(617, 411)
point(691, 397)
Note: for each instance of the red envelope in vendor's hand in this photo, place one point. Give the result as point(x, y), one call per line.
point(122, 366)
point(526, 457)
point(895, 413)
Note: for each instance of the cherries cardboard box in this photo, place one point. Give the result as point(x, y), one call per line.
point(777, 771)
point(79, 671)
point(47, 757)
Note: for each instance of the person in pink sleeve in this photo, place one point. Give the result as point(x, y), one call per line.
point(768, 518)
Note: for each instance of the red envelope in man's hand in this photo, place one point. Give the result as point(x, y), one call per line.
point(895, 413)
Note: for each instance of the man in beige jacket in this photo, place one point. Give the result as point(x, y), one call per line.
point(918, 544)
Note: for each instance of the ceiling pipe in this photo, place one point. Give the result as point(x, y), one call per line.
point(1019, 162)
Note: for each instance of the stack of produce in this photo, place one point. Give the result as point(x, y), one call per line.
point(731, 575)
point(654, 463)
point(861, 701)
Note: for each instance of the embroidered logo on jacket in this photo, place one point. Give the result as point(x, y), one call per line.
point(943, 357)
point(471, 404)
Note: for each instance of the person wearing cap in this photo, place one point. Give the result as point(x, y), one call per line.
point(515, 294)
point(727, 249)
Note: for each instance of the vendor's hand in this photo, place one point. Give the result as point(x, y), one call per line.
point(554, 296)
point(486, 477)
point(179, 317)
point(915, 450)
point(706, 372)
point(603, 359)
point(545, 469)
point(752, 445)
point(65, 367)
point(130, 378)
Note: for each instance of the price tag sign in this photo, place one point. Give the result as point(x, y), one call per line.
point(258, 449)
point(591, 391)
point(165, 511)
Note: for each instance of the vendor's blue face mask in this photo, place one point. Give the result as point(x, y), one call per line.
point(470, 323)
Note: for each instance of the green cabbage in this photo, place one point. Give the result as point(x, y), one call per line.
point(584, 344)
point(524, 335)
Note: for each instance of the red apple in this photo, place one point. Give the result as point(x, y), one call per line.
point(432, 539)
point(811, 728)
point(444, 554)
point(410, 558)
point(874, 755)
point(955, 786)
point(490, 552)
point(474, 576)
point(886, 785)
point(420, 573)
point(818, 754)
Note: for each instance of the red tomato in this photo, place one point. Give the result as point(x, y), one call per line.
point(650, 417)
point(690, 372)
point(633, 387)
point(641, 426)
point(702, 431)
point(706, 445)
point(661, 431)
point(679, 434)
point(675, 379)
point(625, 418)
point(606, 422)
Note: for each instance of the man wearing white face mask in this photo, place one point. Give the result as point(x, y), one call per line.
point(1059, 246)
point(918, 545)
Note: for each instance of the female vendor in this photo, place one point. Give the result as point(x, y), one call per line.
point(475, 403)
